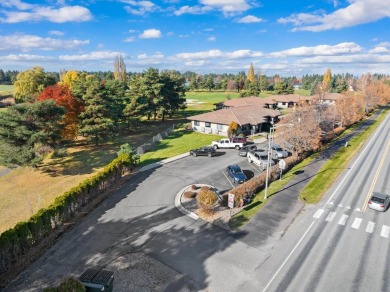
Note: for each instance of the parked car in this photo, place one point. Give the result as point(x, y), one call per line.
point(226, 143)
point(379, 202)
point(260, 158)
point(239, 140)
point(278, 152)
point(203, 151)
point(245, 149)
point(235, 172)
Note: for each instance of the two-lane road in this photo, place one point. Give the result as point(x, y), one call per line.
point(340, 244)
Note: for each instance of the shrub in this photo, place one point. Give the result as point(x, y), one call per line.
point(206, 199)
point(68, 285)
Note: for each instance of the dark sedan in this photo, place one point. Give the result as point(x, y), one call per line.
point(203, 151)
point(245, 149)
point(235, 172)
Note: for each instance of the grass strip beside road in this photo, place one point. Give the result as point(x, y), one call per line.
point(330, 171)
point(258, 202)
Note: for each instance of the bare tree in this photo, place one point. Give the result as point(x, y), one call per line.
point(120, 69)
point(304, 134)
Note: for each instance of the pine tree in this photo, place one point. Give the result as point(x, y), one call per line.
point(96, 121)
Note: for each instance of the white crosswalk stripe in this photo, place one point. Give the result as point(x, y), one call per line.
point(370, 227)
point(356, 223)
point(385, 231)
point(318, 213)
point(330, 216)
point(343, 219)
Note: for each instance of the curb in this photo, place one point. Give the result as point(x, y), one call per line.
point(181, 208)
point(162, 162)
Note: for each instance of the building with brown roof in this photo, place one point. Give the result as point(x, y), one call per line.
point(251, 119)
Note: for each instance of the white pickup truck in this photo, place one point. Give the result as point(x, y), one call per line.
point(260, 158)
point(226, 143)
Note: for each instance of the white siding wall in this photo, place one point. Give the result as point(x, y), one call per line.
point(213, 129)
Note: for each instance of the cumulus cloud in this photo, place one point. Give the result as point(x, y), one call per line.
point(249, 19)
point(192, 10)
point(150, 34)
point(56, 32)
point(379, 50)
point(213, 54)
point(24, 43)
point(358, 59)
point(357, 12)
point(342, 48)
point(96, 55)
point(227, 7)
point(22, 12)
point(26, 57)
point(140, 7)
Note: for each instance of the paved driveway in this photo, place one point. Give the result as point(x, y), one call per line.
point(139, 234)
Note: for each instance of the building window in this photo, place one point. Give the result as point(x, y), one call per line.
point(196, 123)
point(207, 124)
point(219, 127)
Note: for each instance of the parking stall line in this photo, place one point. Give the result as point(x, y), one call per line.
point(356, 223)
point(343, 220)
point(330, 216)
point(370, 227)
point(385, 231)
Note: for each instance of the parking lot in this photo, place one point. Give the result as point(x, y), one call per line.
point(218, 176)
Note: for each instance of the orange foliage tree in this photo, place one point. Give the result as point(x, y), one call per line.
point(62, 95)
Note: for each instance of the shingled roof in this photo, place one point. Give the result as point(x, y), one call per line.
point(249, 114)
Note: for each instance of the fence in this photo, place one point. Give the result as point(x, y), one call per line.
point(157, 138)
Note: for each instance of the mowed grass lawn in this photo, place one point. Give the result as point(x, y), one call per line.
point(25, 190)
point(6, 89)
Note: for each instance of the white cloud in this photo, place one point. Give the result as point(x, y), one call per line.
point(28, 12)
point(17, 4)
point(129, 39)
point(96, 55)
point(140, 7)
point(353, 59)
point(249, 19)
point(150, 34)
point(56, 32)
point(211, 39)
point(379, 50)
point(227, 7)
point(357, 12)
point(158, 55)
point(26, 57)
point(192, 10)
point(24, 43)
point(342, 48)
point(214, 54)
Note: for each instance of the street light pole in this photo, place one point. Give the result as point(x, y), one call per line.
point(268, 160)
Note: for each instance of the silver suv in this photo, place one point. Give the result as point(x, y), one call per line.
point(278, 152)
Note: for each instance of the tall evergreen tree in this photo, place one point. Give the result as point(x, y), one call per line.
point(96, 120)
point(29, 131)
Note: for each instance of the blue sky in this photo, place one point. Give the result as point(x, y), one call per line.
point(205, 36)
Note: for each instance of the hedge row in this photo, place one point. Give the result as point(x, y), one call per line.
point(17, 241)
point(256, 184)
